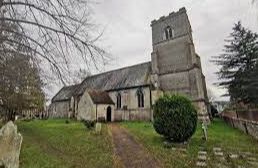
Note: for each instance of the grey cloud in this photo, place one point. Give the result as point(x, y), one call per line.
point(128, 33)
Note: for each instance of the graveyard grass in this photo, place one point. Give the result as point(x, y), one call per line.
point(55, 144)
point(219, 135)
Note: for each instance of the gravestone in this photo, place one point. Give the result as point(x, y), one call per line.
point(98, 128)
point(204, 128)
point(10, 146)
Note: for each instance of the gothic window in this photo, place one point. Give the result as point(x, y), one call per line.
point(118, 100)
point(169, 33)
point(140, 98)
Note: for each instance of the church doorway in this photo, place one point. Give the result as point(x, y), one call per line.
point(109, 114)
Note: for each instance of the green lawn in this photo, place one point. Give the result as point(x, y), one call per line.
point(220, 135)
point(54, 144)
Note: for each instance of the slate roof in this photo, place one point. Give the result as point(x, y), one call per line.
point(66, 93)
point(100, 97)
point(132, 76)
point(127, 77)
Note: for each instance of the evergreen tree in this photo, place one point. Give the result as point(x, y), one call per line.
point(239, 65)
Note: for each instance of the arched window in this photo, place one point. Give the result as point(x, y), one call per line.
point(118, 100)
point(169, 33)
point(140, 98)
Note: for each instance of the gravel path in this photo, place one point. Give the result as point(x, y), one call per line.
point(130, 153)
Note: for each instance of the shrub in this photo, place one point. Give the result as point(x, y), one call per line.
point(67, 121)
point(89, 124)
point(175, 118)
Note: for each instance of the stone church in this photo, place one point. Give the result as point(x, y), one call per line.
point(129, 93)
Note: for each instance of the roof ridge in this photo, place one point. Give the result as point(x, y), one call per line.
point(71, 85)
point(125, 77)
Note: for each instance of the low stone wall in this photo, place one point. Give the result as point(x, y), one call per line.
point(247, 126)
point(243, 113)
point(250, 114)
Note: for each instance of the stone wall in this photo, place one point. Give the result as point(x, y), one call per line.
point(59, 109)
point(246, 114)
point(129, 97)
point(102, 111)
point(173, 55)
point(86, 109)
point(249, 114)
point(141, 114)
point(247, 126)
point(176, 68)
point(177, 20)
point(129, 105)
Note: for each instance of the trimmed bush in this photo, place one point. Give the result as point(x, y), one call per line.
point(89, 124)
point(175, 118)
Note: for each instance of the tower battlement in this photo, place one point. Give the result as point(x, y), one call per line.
point(166, 28)
point(172, 14)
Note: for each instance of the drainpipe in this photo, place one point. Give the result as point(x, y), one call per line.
point(96, 113)
point(150, 105)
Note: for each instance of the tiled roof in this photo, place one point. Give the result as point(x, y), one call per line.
point(100, 97)
point(137, 75)
point(65, 93)
point(127, 77)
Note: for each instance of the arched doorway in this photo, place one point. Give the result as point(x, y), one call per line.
point(109, 118)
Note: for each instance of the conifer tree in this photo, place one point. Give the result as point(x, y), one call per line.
point(239, 66)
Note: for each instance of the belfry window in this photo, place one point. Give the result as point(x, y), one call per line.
point(118, 100)
point(169, 33)
point(140, 98)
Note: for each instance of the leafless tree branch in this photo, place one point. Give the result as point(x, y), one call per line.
point(57, 31)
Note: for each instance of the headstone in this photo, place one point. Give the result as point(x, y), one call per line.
point(233, 156)
point(201, 164)
point(217, 149)
point(204, 128)
point(202, 157)
point(251, 159)
point(202, 153)
point(10, 145)
point(218, 153)
point(98, 128)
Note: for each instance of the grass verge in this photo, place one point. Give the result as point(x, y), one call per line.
point(54, 144)
point(219, 135)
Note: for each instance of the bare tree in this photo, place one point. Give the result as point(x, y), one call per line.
point(56, 31)
point(79, 75)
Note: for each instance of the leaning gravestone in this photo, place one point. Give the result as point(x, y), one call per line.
point(10, 146)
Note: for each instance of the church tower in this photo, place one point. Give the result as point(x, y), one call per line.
point(176, 68)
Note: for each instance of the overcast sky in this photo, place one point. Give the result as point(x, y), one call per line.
point(127, 35)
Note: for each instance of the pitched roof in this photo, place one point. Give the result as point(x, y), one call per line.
point(132, 76)
point(66, 93)
point(127, 77)
point(100, 97)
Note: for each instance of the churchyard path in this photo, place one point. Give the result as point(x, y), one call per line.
point(128, 152)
